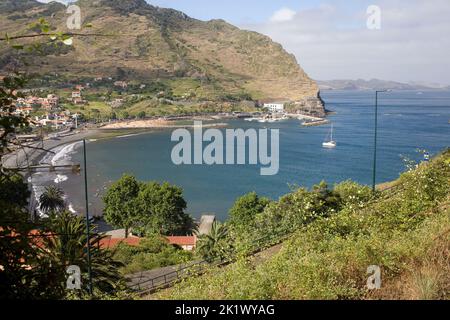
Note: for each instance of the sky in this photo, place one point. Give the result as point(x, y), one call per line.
point(331, 39)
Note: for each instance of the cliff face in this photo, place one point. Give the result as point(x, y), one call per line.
point(147, 42)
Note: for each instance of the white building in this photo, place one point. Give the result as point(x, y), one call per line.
point(274, 107)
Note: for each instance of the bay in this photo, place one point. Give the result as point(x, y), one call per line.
point(407, 121)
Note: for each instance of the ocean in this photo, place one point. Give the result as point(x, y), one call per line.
point(408, 121)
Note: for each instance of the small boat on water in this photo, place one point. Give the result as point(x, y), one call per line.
point(329, 142)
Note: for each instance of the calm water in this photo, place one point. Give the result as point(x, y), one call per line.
point(407, 121)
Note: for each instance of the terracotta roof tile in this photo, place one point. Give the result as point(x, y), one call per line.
point(183, 240)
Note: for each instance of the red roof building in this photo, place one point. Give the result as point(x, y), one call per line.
point(186, 242)
point(109, 242)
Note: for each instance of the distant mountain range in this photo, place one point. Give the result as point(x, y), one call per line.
point(376, 84)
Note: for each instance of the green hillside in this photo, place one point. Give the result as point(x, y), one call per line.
point(404, 230)
point(135, 41)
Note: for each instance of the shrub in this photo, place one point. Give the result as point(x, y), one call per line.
point(152, 252)
point(404, 231)
point(353, 195)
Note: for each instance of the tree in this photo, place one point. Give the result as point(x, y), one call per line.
point(148, 208)
point(125, 115)
point(66, 246)
point(245, 209)
point(9, 121)
point(214, 245)
point(16, 282)
point(52, 200)
point(25, 266)
point(326, 201)
point(121, 209)
point(162, 210)
point(141, 115)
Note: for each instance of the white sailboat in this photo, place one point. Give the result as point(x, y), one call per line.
point(330, 143)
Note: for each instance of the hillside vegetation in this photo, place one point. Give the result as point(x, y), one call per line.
point(336, 235)
point(136, 41)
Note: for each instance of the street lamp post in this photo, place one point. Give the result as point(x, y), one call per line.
point(375, 140)
point(88, 240)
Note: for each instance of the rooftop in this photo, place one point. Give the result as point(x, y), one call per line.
point(183, 240)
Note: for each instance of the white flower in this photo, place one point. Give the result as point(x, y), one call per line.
point(68, 42)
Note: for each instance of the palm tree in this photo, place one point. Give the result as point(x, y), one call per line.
point(214, 245)
point(67, 246)
point(52, 200)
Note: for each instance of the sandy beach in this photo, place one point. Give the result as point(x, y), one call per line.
point(156, 124)
point(139, 124)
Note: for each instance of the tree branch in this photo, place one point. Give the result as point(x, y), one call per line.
point(30, 147)
point(72, 34)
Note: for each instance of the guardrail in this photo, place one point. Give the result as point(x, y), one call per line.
point(168, 279)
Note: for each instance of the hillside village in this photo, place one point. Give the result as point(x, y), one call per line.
point(102, 100)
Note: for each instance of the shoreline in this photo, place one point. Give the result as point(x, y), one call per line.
point(92, 135)
point(180, 126)
point(29, 155)
point(158, 124)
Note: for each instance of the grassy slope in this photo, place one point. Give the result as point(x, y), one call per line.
point(405, 231)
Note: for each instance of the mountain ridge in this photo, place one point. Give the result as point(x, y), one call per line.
point(157, 43)
point(376, 84)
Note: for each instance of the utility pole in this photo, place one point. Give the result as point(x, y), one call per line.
point(87, 219)
point(374, 174)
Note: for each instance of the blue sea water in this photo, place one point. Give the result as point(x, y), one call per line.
point(407, 121)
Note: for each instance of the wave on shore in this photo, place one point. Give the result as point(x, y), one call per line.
point(40, 180)
point(62, 155)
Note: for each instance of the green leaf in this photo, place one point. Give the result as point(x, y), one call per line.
point(45, 28)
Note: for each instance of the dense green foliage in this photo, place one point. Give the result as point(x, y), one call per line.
point(216, 244)
point(403, 230)
point(9, 121)
point(120, 203)
point(68, 247)
point(148, 208)
point(152, 252)
point(15, 246)
point(162, 210)
point(36, 252)
point(244, 211)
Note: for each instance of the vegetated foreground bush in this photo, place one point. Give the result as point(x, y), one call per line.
point(405, 231)
point(153, 252)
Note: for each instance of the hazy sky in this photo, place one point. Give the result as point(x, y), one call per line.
point(331, 40)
